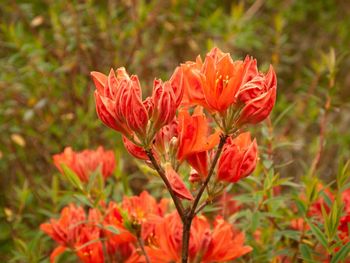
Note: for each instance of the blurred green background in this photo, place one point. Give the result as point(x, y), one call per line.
point(48, 48)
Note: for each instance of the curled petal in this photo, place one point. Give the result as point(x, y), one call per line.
point(177, 184)
point(134, 150)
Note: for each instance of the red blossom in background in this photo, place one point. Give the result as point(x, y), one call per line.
point(86, 162)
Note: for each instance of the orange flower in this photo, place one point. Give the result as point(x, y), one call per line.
point(88, 248)
point(66, 229)
point(86, 162)
point(214, 83)
point(258, 94)
point(119, 246)
point(226, 244)
point(206, 245)
point(144, 210)
point(72, 230)
point(164, 104)
point(194, 141)
point(235, 89)
point(238, 158)
point(107, 97)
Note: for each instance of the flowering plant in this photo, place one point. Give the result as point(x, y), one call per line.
point(192, 133)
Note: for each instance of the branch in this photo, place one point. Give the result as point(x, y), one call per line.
point(223, 138)
point(141, 245)
point(161, 173)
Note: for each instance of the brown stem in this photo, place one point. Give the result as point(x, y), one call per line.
point(160, 171)
point(191, 212)
point(186, 232)
point(223, 138)
point(142, 246)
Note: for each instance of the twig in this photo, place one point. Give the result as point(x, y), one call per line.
point(201, 207)
point(223, 138)
point(191, 211)
point(160, 171)
point(142, 246)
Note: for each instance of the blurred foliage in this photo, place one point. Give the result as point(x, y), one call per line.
point(48, 48)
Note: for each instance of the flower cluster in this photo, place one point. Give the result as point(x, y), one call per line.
point(191, 132)
point(86, 162)
point(120, 227)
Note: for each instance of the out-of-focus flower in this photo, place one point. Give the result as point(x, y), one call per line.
point(228, 205)
point(88, 247)
point(86, 162)
point(139, 208)
point(238, 159)
point(144, 211)
point(119, 246)
point(65, 230)
point(195, 140)
point(84, 234)
point(177, 183)
point(206, 245)
point(72, 230)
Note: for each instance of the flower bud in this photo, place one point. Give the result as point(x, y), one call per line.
point(164, 102)
point(133, 110)
point(258, 96)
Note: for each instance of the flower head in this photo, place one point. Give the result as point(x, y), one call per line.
point(220, 244)
point(238, 159)
point(86, 162)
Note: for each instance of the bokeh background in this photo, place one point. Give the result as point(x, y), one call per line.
point(48, 48)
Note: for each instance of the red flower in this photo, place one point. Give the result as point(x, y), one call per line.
point(226, 244)
point(144, 210)
point(164, 104)
point(73, 231)
point(117, 244)
point(86, 162)
point(235, 89)
point(107, 97)
point(238, 159)
point(119, 103)
point(214, 83)
point(66, 229)
point(258, 93)
point(194, 139)
point(206, 245)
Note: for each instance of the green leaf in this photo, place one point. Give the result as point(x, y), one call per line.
point(341, 254)
point(72, 177)
point(318, 233)
point(112, 229)
point(83, 199)
point(306, 253)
